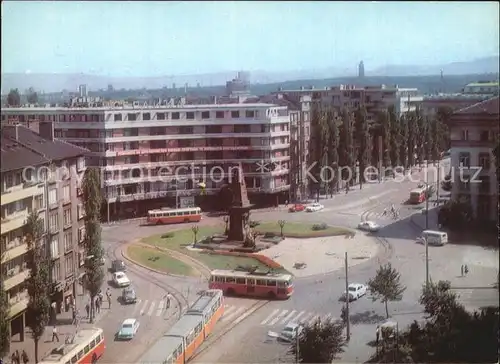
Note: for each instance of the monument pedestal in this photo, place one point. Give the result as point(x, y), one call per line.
point(238, 223)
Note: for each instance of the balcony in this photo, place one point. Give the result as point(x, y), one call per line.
point(14, 252)
point(18, 304)
point(14, 221)
point(20, 192)
point(15, 277)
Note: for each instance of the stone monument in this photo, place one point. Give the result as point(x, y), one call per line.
point(239, 214)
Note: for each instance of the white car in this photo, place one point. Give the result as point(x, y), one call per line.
point(356, 290)
point(120, 279)
point(368, 226)
point(314, 207)
point(290, 332)
point(128, 329)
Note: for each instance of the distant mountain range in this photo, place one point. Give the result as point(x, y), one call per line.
point(56, 82)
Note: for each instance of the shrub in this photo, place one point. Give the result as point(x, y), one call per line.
point(167, 235)
point(317, 227)
point(269, 235)
point(253, 223)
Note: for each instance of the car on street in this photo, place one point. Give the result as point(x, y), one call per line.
point(118, 266)
point(314, 207)
point(129, 295)
point(120, 279)
point(290, 332)
point(356, 291)
point(368, 226)
point(296, 208)
point(128, 329)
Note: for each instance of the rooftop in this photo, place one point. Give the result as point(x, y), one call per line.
point(483, 84)
point(22, 147)
point(490, 106)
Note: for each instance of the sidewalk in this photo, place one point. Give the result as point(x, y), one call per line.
point(64, 329)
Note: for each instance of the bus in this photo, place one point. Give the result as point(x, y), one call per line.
point(432, 237)
point(178, 345)
point(418, 195)
point(240, 283)
point(174, 216)
point(86, 346)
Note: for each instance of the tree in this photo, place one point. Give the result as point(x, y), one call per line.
point(386, 285)
point(403, 142)
point(320, 342)
point(443, 116)
point(395, 137)
point(32, 96)
point(363, 140)
point(14, 98)
point(346, 145)
point(38, 283)
point(333, 147)
point(420, 129)
point(94, 276)
point(4, 317)
point(384, 122)
point(412, 137)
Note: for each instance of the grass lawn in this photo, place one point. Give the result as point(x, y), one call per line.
point(298, 229)
point(184, 237)
point(160, 261)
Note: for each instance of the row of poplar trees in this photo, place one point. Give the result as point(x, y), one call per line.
point(345, 138)
point(40, 283)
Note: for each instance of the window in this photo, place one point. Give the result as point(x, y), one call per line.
point(219, 114)
point(66, 194)
point(68, 260)
point(249, 114)
point(56, 271)
point(190, 115)
point(235, 114)
point(132, 117)
point(54, 248)
point(464, 160)
point(465, 135)
point(160, 116)
point(39, 202)
point(205, 114)
point(81, 163)
point(52, 196)
point(175, 116)
point(54, 222)
point(484, 160)
point(80, 211)
point(67, 217)
point(484, 136)
point(81, 234)
point(240, 281)
point(146, 116)
point(68, 241)
point(118, 117)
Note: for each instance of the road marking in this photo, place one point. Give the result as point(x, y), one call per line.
point(136, 307)
point(143, 308)
point(228, 310)
point(270, 317)
point(306, 318)
point(160, 308)
point(290, 315)
point(296, 319)
point(313, 319)
point(279, 317)
point(234, 314)
point(152, 308)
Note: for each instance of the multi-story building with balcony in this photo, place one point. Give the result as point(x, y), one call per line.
point(156, 156)
point(454, 102)
point(473, 133)
point(39, 175)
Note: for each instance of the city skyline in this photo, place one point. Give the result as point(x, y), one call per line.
point(243, 35)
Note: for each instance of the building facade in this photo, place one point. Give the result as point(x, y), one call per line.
point(474, 132)
point(486, 87)
point(40, 175)
point(432, 103)
point(156, 156)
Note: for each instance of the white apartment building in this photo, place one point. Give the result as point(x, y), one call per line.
point(156, 156)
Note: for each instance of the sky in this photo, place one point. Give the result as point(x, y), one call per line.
point(143, 39)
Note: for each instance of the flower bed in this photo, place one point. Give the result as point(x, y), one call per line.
point(261, 258)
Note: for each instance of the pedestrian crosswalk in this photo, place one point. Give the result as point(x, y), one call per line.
point(281, 317)
point(150, 308)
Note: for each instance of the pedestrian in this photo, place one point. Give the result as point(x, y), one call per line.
point(109, 301)
point(54, 334)
point(18, 357)
point(286, 203)
point(97, 305)
point(87, 309)
point(462, 271)
point(73, 314)
point(168, 298)
point(13, 358)
point(377, 334)
point(466, 269)
point(25, 357)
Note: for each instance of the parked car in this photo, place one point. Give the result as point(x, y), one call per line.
point(296, 208)
point(368, 226)
point(129, 295)
point(290, 332)
point(118, 266)
point(314, 207)
point(356, 290)
point(120, 279)
point(128, 329)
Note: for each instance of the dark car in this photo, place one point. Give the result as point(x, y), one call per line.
point(118, 266)
point(129, 295)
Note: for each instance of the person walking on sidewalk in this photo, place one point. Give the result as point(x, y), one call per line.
point(87, 309)
point(54, 334)
point(97, 305)
point(25, 357)
point(108, 296)
point(466, 270)
point(462, 271)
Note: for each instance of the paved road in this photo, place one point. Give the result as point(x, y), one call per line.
point(318, 296)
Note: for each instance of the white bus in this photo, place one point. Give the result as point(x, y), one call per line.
point(434, 237)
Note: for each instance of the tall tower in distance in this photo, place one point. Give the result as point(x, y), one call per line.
point(361, 70)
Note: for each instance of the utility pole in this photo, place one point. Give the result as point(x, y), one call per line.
point(348, 328)
point(380, 156)
point(426, 262)
point(427, 195)
point(297, 354)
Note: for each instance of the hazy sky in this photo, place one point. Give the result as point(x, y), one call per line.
point(166, 38)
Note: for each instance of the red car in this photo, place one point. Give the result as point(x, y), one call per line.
point(297, 208)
